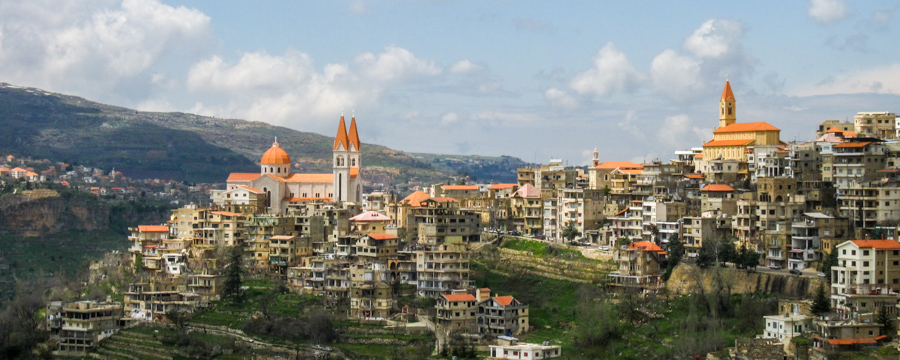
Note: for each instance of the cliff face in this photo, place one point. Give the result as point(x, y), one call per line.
point(685, 279)
point(31, 215)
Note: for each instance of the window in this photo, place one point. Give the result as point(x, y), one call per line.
point(866, 253)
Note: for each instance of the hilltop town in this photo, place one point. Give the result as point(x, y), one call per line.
point(823, 211)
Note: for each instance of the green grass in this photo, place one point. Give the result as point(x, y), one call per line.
point(542, 249)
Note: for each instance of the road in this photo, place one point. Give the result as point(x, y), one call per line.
point(439, 335)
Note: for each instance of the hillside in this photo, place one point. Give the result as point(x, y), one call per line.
point(196, 148)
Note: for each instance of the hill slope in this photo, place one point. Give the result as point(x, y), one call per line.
point(190, 147)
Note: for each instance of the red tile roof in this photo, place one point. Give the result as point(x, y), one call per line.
point(717, 187)
point(353, 135)
point(414, 199)
point(253, 190)
point(153, 228)
point(341, 138)
point(275, 156)
point(877, 244)
point(852, 144)
point(726, 93)
point(694, 176)
point(311, 178)
point(645, 245)
point(834, 129)
point(502, 186)
point(503, 300)
point(381, 236)
point(459, 297)
point(737, 142)
point(443, 199)
point(744, 127)
point(243, 176)
point(619, 164)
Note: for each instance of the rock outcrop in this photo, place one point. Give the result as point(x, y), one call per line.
point(685, 279)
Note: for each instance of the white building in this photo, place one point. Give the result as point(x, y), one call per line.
point(510, 348)
point(784, 327)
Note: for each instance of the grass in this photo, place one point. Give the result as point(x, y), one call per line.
point(542, 249)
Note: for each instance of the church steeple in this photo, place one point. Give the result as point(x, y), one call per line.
point(727, 110)
point(353, 135)
point(340, 140)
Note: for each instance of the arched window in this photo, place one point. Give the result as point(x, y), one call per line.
point(353, 162)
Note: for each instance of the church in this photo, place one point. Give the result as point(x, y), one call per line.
point(278, 187)
point(731, 140)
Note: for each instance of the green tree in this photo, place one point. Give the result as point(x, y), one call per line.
point(821, 304)
point(676, 251)
point(570, 232)
point(828, 262)
point(233, 274)
point(886, 320)
point(624, 241)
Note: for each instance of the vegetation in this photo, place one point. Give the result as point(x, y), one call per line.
point(542, 249)
point(232, 287)
point(821, 303)
point(570, 232)
point(675, 248)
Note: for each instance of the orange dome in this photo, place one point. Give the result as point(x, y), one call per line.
point(275, 156)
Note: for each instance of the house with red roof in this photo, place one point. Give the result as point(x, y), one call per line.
point(500, 315)
point(456, 311)
point(639, 264)
point(867, 274)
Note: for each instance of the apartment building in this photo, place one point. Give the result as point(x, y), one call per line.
point(877, 124)
point(442, 268)
point(527, 207)
point(371, 293)
point(857, 161)
point(376, 247)
point(439, 221)
point(500, 315)
point(456, 312)
point(866, 277)
point(639, 264)
point(581, 207)
point(83, 324)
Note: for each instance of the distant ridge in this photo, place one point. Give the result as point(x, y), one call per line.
point(197, 148)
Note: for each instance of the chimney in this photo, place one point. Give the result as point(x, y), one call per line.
point(482, 294)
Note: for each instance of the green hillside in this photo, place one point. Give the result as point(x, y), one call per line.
point(190, 147)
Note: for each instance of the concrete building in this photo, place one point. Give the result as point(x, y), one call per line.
point(866, 277)
point(876, 124)
point(500, 315)
point(83, 324)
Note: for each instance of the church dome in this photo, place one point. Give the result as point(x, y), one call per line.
point(275, 156)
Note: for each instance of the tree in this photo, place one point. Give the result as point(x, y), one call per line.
point(570, 232)
point(828, 262)
point(886, 320)
point(624, 241)
point(676, 251)
point(233, 273)
point(821, 304)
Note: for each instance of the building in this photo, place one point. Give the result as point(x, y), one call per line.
point(731, 140)
point(787, 326)
point(281, 187)
point(510, 348)
point(866, 277)
point(877, 124)
point(83, 324)
point(500, 315)
point(639, 264)
point(456, 312)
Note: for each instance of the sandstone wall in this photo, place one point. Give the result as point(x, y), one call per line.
point(685, 278)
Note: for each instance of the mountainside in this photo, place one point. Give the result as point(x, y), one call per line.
point(196, 148)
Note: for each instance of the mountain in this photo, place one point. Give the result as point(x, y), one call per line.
point(194, 148)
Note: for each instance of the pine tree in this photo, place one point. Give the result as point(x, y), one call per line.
point(886, 321)
point(233, 281)
point(821, 304)
point(570, 231)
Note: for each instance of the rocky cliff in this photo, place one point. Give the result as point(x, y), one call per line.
point(685, 279)
point(45, 212)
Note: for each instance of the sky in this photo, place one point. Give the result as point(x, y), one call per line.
point(531, 79)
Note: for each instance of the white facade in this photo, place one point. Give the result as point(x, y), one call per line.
point(787, 326)
point(525, 351)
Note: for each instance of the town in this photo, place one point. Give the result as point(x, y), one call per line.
point(823, 210)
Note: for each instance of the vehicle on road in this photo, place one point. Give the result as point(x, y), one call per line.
point(820, 274)
point(775, 267)
point(795, 272)
point(604, 248)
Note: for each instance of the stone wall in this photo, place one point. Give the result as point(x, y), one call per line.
point(685, 278)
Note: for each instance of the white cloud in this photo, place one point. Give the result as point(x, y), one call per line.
point(560, 99)
point(679, 133)
point(464, 67)
point(395, 64)
point(358, 7)
point(675, 75)
point(827, 11)
point(449, 119)
point(881, 80)
point(95, 48)
point(715, 38)
point(253, 72)
point(611, 73)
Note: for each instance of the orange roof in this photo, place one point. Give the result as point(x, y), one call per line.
point(4, 168)
point(717, 187)
point(460, 187)
point(353, 173)
point(853, 341)
point(153, 228)
point(834, 130)
point(852, 144)
point(694, 176)
point(459, 297)
point(645, 245)
point(484, 289)
point(698, 156)
point(226, 213)
point(415, 198)
point(383, 236)
point(258, 191)
point(622, 212)
point(526, 191)
point(311, 178)
point(243, 176)
point(275, 156)
point(19, 169)
point(742, 127)
point(737, 142)
point(341, 138)
point(619, 164)
point(502, 186)
point(877, 244)
point(850, 133)
point(637, 201)
point(503, 300)
point(443, 199)
point(726, 93)
point(354, 136)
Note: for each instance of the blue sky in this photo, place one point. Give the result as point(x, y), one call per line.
point(532, 79)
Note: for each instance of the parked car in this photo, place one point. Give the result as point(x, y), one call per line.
point(604, 248)
point(820, 274)
point(775, 267)
point(795, 272)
